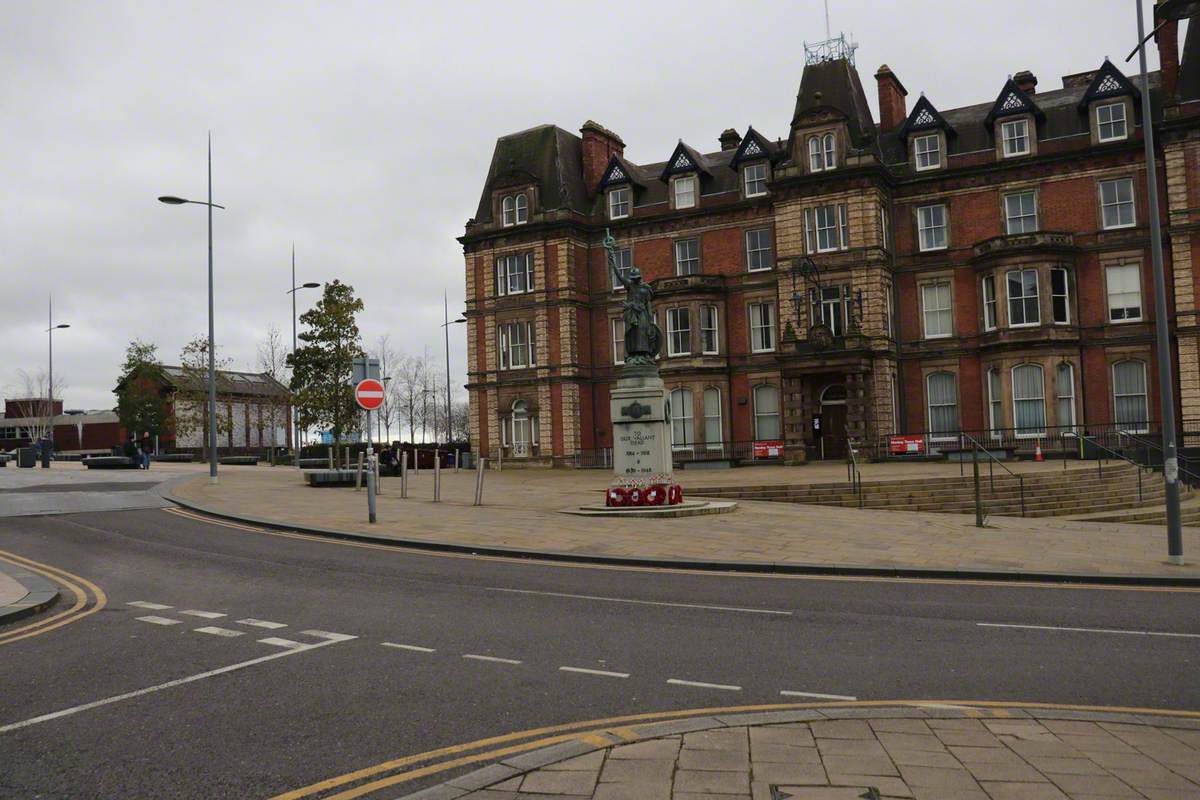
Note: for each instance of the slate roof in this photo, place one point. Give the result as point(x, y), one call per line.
point(547, 154)
point(228, 382)
point(835, 84)
point(1189, 65)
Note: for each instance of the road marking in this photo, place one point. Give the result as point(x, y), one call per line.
point(818, 695)
point(600, 672)
point(151, 606)
point(412, 647)
point(203, 614)
point(724, 686)
point(215, 631)
point(1088, 630)
point(332, 637)
point(72, 582)
point(261, 623)
point(275, 640)
point(642, 602)
point(160, 620)
point(491, 658)
point(66, 712)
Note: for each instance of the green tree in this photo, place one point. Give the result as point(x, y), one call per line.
point(141, 404)
point(191, 395)
point(322, 394)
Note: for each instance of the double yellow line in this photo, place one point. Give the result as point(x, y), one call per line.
point(89, 598)
point(614, 731)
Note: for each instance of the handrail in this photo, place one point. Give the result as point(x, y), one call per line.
point(853, 474)
point(991, 475)
point(1150, 443)
point(1100, 468)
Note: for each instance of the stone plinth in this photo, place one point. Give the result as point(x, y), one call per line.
point(641, 415)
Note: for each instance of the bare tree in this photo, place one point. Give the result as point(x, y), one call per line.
point(410, 383)
point(389, 363)
point(34, 404)
point(272, 359)
point(460, 421)
point(191, 396)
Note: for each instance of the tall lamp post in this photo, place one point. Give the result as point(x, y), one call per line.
point(292, 291)
point(446, 329)
point(50, 381)
point(1168, 11)
point(212, 349)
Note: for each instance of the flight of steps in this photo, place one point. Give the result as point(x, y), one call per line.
point(1078, 490)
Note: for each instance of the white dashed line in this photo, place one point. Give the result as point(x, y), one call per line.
point(151, 606)
point(490, 658)
point(642, 602)
point(1088, 630)
point(160, 620)
point(215, 631)
point(333, 637)
point(261, 623)
point(722, 686)
point(818, 695)
point(600, 672)
point(191, 612)
point(277, 642)
point(412, 647)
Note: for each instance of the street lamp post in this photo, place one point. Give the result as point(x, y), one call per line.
point(212, 350)
point(446, 329)
point(50, 382)
point(1167, 11)
point(295, 422)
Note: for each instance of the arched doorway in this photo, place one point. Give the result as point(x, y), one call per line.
point(833, 421)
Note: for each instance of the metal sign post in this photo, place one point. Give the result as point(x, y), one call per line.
point(368, 393)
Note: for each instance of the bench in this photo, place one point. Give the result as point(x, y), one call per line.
point(173, 458)
point(239, 460)
point(110, 462)
point(330, 477)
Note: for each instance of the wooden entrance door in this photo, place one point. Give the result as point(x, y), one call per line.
point(833, 431)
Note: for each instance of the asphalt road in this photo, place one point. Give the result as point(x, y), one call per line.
point(484, 643)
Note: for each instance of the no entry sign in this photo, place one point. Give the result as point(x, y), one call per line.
point(369, 394)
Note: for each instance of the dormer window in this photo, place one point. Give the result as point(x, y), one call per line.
point(1110, 122)
point(754, 180)
point(685, 191)
point(515, 208)
point(1015, 137)
point(927, 151)
point(821, 154)
point(618, 203)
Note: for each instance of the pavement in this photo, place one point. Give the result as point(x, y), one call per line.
point(69, 487)
point(522, 515)
point(22, 591)
point(917, 751)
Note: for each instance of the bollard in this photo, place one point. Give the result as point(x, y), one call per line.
point(978, 488)
point(404, 475)
point(331, 457)
point(457, 457)
point(437, 478)
point(371, 492)
point(358, 475)
point(480, 466)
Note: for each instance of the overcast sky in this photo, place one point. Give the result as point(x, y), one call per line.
point(363, 132)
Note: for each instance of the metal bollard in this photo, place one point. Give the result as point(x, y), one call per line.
point(404, 475)
point(480, 467)
point(371, 492)
point(358, 475)
point(457, 457)
point(331, 457)
point(437, 478)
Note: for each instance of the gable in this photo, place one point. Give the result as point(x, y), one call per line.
point(1109, 82)
point(684, 159)
point(754, 145)
point(1012, 101)
point(925, 117)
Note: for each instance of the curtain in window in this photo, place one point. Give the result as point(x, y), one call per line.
point(995, 403)
point(943, 403)
point(766, 413)
point(1066, 395)
point(1129, 394)
point(1029, 399)
point(712, 417)
point(683, 430)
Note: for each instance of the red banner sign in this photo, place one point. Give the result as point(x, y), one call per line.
point(912, 445)
point(772, 449)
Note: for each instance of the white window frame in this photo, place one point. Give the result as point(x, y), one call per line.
point(1021, 217)
point(829, 146)
point(618, 340)
point(1065, 295)
point(927, 225)
point(924, 157)
point(830, 228)
point(620, 200)
point(1059, 395)
point(691, 259)
point(623, 254)
point(759, 416)
point(1112, 122)
point(510, 270)
point(1027, 432)
point(832, 308)
point(1023, 298)
point(710, 442)
point(710, 331)
point(1124, 269)
point(675, 329)
point(509, 346)
point(683, 416)
point(1012, 132)
point(991, 320)
point(684, 191)
point(995, 402)
point(762, 327)
point(760, 253)
point(1145, 395)
point(947, 310)
point(754, 175)
point(508, 212)
point(522, 209)
point(941, 436)
point(1117, 184)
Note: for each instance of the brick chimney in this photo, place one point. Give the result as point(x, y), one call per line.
point(1168, 59)
point(599, 144)
point(892, 107)
point(730, 139)
point(1026, 81)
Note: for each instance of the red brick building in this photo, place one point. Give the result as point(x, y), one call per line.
point(982, 269)
point(26, 420)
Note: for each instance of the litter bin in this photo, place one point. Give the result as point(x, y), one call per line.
point(27, 457)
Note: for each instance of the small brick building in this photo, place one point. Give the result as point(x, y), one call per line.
point(982, 269)
point(25, 419)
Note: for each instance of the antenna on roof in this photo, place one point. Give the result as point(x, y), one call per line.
point(828, 35)
point(832, 49)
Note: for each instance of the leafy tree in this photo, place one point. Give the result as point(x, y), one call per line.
point(141, 405)
point(191, 396)
point(321, 367)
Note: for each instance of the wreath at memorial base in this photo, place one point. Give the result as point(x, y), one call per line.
point(644, 491)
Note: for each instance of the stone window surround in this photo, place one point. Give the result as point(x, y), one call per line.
point(1107, 260)
point(498, 195)
point(608, 193)
point(1143, 354)
point(928, 368)
point(698, 388)
point(942, 151)
point(763, 162)
point(1031, 129)
point(819, 134)
point(1045, 302)
point(695, 178)
point(926, 279)
point(757, 299)
point(1049, 364)
point(1094, 123)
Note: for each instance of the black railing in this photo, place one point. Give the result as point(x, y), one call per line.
point(741, 452)
point(977, 447)
point(853, 474)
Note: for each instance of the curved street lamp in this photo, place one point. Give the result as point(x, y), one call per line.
point(50, 381)
point(292, 291)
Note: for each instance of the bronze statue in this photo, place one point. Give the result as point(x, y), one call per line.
point(643, 337)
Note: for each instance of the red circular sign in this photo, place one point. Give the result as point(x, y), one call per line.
point(369, 394)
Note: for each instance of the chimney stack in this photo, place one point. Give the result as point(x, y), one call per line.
point(730, 139)
point(1168, 59)
point(892, 107)
point(1026, 81)
point(599, 144)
